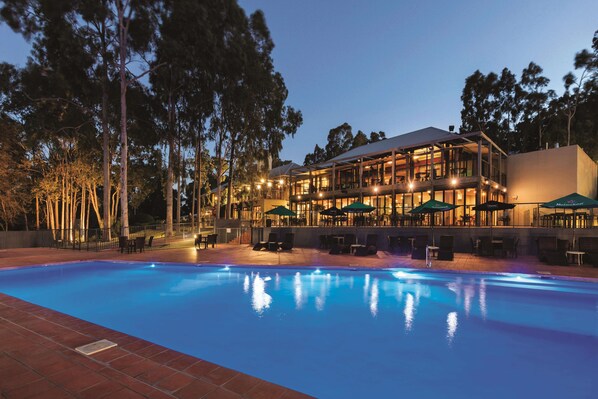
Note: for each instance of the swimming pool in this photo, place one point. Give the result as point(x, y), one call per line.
point(346, 333)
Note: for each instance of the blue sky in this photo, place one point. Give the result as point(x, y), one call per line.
point(399, 66)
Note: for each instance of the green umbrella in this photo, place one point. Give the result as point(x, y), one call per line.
point(491, 206)
point(431, 207)
point(358, 207)
point(573, 201)
point(281, 211)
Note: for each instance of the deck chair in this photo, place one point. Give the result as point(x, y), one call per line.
point(508, 247)
point(211, 240)
point(485, 247)
point(445, 248)
point(150, 241)
point(272, 237)
point(589, 245)
point(272, 244)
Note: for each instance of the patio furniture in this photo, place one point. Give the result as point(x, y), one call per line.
point(211, 240)
point(323, 242)
point(393, 244)
point(369, 248)
point(123, 243)
point(139, 244)
point(576, 257)
point(485, 246)
point(589, 245)
point(404, 245)
point(288, 242)
point(272, 244)
point(509, 247)
point(200, 240)
point(474, 246)
point(544, 244)
point(445, 248)
point(557, 255)
point(150, 241)
point(419, 247)
point(272, 237)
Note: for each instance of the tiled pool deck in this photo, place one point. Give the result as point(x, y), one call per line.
point(38, 360)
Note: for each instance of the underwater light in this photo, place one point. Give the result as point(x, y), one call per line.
point(318, 271)
point(152, 265)
point(226, 268)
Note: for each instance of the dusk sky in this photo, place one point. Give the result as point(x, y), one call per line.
point(399, 66)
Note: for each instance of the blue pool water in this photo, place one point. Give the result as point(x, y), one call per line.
point(346, 333)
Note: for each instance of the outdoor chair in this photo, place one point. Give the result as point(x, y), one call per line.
point(349, 239)
point(419, 247)
point(198, 241)
point(404, 245)
point(369, 248)
point(323, 242)
point(589, 245)
point(508, 247)
point(559, 255)
point(288, 242)
point(393, 244)
point(272, 244)
point(445, 248)
point(545, 244)
point(211, 239)
point(139, 244)
point(474, 246)
point(486, 248)
point(150, 241)
point(272, 237)
point(123, 243)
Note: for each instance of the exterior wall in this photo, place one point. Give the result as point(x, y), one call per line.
point(587, 175)
point(545, 175)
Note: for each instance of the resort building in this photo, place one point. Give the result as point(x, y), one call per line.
point(397, 174)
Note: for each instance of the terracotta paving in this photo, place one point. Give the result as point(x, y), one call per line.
point(38, 360)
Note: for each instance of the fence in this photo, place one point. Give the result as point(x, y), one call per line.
point(93, 239)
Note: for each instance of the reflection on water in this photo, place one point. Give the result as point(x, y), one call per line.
point(246, 284)
point(451, 326)
point(374, 298)
point(298, 291)
point(260, 300)
point(483, 310)
point(407, 291)
point(408, 312)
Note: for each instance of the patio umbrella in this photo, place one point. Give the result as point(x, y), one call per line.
point(358, 207)
point(431, 207)
point(334, 212)
point(573, 201)
point(281, 211)
point(492, 206)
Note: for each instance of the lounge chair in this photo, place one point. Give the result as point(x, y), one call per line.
point(272, 237)
point(288, 242)
point(272, 244)
point(419, 247)
point(445, 248)
point(370, 247)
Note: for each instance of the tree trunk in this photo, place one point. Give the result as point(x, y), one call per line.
point(199, 181)
point(170, 169)
point(179, 185)
point(124, 199)
point(195, 176)
point(107, 158)
point(231, 165)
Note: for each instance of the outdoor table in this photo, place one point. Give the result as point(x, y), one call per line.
point(339, 239)
point(355, 246)
point(576, 257)
point(433, 250)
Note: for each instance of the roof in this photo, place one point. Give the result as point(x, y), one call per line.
point(406, 140)
point(282, 170)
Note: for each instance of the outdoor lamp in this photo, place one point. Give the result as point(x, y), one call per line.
point(376, 189)
point(281, 182)
point(269, 184)
point(259, 186)
point(410, 186)
point(262, 180)
point(454, 182)
point(320, 195)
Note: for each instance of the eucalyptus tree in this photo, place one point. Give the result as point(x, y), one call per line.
point(535, 105)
